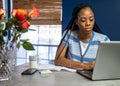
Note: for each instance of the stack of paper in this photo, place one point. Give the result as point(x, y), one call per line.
point(54, 68)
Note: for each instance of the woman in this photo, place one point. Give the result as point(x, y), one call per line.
point(80, 42)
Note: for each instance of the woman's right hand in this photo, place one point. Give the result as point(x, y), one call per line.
point(88, 66)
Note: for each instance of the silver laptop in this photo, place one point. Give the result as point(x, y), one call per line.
point(107, 64)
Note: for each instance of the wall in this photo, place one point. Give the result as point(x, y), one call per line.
point(50, 10)
point(107, 15)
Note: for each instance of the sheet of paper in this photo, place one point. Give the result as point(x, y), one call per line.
point(53, 67)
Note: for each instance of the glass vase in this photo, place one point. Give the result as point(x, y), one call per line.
point(7, 63)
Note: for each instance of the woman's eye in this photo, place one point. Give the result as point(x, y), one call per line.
point(82, 20)
point(91, 19)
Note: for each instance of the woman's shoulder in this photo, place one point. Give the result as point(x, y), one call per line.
point(75, 33)
point(100, 35)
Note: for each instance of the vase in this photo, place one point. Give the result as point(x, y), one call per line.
point(7, 63)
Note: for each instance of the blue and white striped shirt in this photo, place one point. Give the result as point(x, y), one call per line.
point(72, 41)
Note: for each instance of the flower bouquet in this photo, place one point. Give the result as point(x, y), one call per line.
point(11, 31)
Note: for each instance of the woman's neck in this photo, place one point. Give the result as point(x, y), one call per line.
point(85, 37)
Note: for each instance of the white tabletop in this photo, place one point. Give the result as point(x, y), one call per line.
point(61, 78)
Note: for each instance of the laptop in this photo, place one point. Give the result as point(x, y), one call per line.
point(107, 65)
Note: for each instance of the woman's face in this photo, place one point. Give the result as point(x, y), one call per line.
point(85, 20)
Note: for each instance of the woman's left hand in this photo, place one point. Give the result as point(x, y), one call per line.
point(88, 66)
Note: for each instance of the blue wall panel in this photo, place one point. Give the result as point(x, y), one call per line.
point(107, 15)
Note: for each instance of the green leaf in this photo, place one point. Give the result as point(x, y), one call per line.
point(24, 40)
point(18, 45)
point(8, 25)
point(28, 46)
point(4, 33)
point(25, 30)
point(1, 26)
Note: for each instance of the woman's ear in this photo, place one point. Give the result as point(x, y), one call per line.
point(76, 22)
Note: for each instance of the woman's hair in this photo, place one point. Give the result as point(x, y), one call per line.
point(77, 9)
point(75, 12)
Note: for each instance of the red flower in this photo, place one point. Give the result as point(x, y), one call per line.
point(2, 13)
point(25, 24)
point(14, 11)
point(19, 23)
point(34, 12)
point(19, 14)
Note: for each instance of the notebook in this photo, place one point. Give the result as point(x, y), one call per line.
point(107, 65)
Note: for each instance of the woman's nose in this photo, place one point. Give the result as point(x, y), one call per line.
point(87, 23)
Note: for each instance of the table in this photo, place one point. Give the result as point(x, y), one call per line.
point(62, 78)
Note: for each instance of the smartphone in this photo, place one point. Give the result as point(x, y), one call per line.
point(29, 71)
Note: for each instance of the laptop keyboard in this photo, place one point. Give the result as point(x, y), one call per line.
point(88, 73)
point(84, 72)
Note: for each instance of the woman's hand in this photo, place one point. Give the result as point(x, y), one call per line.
point(88, 66)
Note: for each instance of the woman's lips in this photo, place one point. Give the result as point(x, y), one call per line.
point(88, 29)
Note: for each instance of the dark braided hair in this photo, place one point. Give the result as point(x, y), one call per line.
point(75, 15)
point(77, 9)
point(72, 26)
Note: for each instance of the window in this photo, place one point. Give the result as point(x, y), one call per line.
point(45, 39)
